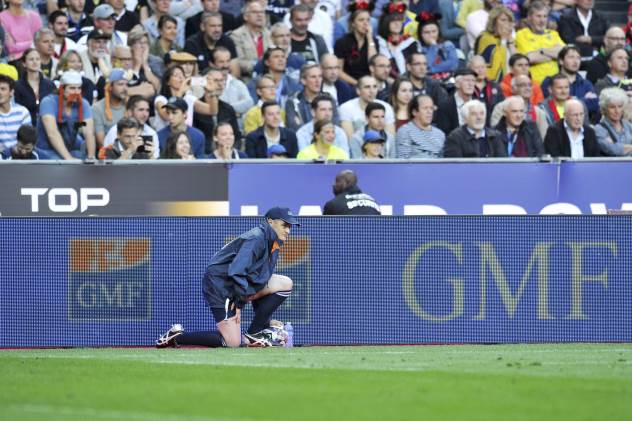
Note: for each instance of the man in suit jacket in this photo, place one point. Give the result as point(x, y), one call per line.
point(570, 137)
point(252, 38)
point(572, 30)
point(520, 137)
point(473, 139)
point(449, 115)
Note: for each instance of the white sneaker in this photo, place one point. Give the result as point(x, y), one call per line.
point(168, 339)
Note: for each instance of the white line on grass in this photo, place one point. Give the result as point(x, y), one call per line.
point(66, 411)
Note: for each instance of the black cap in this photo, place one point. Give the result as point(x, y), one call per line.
point(284, 214)
point(464, 72)
point(98, 34)
point(176, 103)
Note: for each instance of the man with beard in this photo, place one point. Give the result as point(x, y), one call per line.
point(211, 35)
point(597, 68)
point(96, 59)
point(193, 23)
point(319, 22)
point(25, 146)
point(304, 42)
point(108, 111)
point(569, 61)
point(58, 22)
point(66, 129)
point(349, 198)
point(12, 116)
point(473, 139)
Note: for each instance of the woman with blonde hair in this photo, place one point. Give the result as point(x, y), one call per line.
point(496, 43)
point(71, 60)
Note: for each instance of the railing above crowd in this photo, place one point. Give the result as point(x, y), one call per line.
point(313, 80)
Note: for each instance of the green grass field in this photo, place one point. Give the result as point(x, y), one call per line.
point(461, 382)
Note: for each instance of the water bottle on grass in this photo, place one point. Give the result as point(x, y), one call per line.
point(290, 335)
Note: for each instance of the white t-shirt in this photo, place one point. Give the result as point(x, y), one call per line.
point(351, 111)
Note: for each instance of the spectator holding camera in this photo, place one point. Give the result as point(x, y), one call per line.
point(129, 143)
point(137, 108)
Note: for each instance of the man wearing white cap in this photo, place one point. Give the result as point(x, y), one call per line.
point(104, 18)
point(66, 128)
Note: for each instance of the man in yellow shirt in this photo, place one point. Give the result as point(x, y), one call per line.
point(539, 44)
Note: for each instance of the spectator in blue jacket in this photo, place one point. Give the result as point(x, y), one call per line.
point(569, 60)
point(240, 272)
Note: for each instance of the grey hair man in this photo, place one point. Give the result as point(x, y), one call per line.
point(473, 139)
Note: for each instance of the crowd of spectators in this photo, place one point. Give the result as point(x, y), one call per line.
point(312, 79)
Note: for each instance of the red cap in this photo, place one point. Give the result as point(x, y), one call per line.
point(630, 10)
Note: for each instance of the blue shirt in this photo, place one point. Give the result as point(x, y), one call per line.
point(197, 140)
point(49, 106)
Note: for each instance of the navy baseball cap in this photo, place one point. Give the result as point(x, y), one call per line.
point(176, 103)
point(373, 136)
point(284, 214)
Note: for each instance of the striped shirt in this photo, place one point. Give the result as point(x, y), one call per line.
point(415, 142)
point(10, 123)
